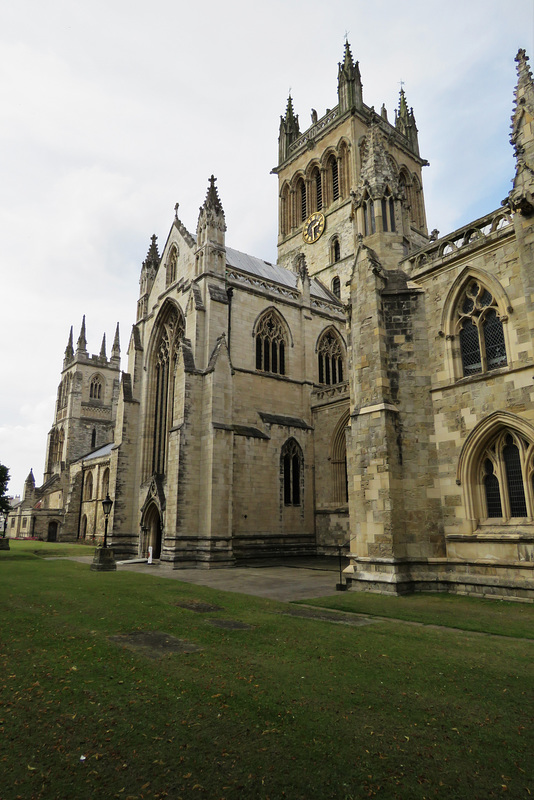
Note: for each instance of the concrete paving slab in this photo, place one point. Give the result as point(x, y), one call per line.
point(276, 583)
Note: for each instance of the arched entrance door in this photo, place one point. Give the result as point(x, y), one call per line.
point(152, 523)
point(52, 532)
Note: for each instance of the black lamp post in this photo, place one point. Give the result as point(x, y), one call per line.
point(106, 506)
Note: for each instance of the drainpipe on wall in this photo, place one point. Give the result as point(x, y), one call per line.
point(230, 294)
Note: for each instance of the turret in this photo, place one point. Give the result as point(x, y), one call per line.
point(349, 82)
point(289, 131)
point(405, 123)
point(211, 229)
point(29, 488)
point(521, 198)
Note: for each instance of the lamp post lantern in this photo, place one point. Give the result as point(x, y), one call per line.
point(106, 506)
point(104, 560)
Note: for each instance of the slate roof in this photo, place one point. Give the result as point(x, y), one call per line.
point(273, 272)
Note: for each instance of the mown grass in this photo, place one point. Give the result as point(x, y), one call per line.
point(25, 549)
point(470, 614)
point(292, 708)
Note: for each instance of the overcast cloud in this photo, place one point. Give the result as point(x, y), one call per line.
point(111, 112)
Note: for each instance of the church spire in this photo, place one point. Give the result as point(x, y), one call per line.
point(349, 82)
point(289, 130)
point(377, 174)
point(69, 350)
point(521, 197)
point(81, 346)
point(103, 347)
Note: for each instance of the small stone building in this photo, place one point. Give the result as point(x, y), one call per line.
point(373, 390)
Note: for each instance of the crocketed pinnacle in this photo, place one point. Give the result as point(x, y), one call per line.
point(212, 200)
point(69, 350)
point(81, 345)
point(152, 256)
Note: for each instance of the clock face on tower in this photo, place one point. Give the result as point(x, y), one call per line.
point(313, 227)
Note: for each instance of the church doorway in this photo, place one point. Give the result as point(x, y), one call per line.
point(52, 532)
point(152, 529)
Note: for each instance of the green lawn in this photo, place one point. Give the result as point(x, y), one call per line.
point(289, 708)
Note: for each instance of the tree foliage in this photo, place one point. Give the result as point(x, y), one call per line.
point(4, 480)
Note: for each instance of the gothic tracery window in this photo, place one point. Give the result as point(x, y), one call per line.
point(481, 334)
point(330, 359)
point(165, 355)
point(506, 477)
point(95, 388)
point(292, 473)
point(270, 344)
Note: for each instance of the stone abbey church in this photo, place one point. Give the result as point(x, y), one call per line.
point(372, 390)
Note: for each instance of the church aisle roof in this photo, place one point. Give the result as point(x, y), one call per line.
point(272, 272)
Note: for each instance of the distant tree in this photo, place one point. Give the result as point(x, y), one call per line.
point(4, 480)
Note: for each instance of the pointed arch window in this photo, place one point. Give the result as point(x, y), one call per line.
point(300, 199)
point(292, 462)
point(88, 488)
point(344, 178)
point(105, 483)
point(171, 332)
point(285, 225)
point(333, 178)
point(317, 189)
point(369, 222)
point(335, 250)
point(93, 438)
point(388, 213)
point(481, 333)
point(270, 344)
point(336, 287)
point(507, 477)
point(339, 462)
point(330, 359)
point(172, 265)
point(95, 388)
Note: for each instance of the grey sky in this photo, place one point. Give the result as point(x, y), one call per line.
point(111, 112)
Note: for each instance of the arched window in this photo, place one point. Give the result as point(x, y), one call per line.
point(170, 333)
point(88, 488)
point(95, 388)
point(285, 225)
point(506, 473)
point(339, 461)
point(292, 461)
point(344, 177)
point(105, 483)
point(317, 190)
point(93, 438)
point(481, 334)
point(300, 199)
point(270, 344)
point(369, 223)
point(335, 250)
point(172, 263)
point(388, 213)
point(333, 178)
point(330, 358)
point(336, 287)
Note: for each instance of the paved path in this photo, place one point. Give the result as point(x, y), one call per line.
point(275, 582)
